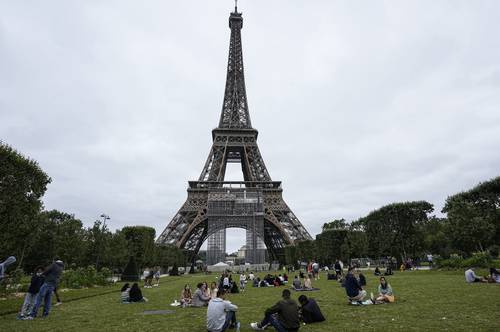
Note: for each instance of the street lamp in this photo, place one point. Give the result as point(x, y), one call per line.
point(104, 218)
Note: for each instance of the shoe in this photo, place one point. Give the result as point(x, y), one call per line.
point(255, 326)
point(57, 304)
point(238, 325)
point(28, 318)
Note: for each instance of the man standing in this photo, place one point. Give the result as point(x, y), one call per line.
point(354, 291)
point(221, 314)
point(283, 316)
point(52, 274)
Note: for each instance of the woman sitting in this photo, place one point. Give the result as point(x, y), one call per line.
point(135, 294)
point(384, 292)
point(186, 296)
point(307, 282)
point(494, 276)
point(213, 290)
point(125, 293)
point(377, 271)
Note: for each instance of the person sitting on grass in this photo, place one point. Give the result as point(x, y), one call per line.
point(384, 292)
point(206, 290)
point(213, 290)
point(309, 310)
point(471, 277)
point(256, 282)
point(354, 291)
point(388, 271)
point(283, 316)
point(234, 288)
point(362, 280)
point(186, 296)
point(494, 276)
point(125, 293)
point(221, 314)
point(29, 299)
point(296, 283)
point(135, 294)
point(377, 271)
point(307, 282)
point(199, 297)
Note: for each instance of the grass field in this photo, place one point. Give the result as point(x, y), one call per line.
point(425, 300)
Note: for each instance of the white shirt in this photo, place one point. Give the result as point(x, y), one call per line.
point(251, 276)
point(243, 277)
point(470, 276)
point(226, 281)
point(216, 313)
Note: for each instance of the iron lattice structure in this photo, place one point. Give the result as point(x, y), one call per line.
point(213, 204)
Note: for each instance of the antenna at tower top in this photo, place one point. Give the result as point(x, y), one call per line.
point(235, 6)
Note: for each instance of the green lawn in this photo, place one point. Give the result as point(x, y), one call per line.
point(425, 300)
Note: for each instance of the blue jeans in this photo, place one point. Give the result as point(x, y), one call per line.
point(45, 295)
point(230, 320)
point(273, 320)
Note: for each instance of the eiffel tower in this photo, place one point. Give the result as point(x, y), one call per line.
point(255, 204)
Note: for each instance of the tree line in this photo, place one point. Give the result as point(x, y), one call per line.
point(37, 237)
point(402, 230)
point(409, 230)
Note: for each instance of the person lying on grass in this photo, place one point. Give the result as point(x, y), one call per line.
point(200, 299)
point(309, 311)
point(283, 316)
point(186, 296)
point(385, 294)
point(125, 293)
point(135, 294)
point(221, 314)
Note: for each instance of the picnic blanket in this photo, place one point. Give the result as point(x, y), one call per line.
point(305, 289)
point(158, 312)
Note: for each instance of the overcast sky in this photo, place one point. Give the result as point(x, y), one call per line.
point(358, 103)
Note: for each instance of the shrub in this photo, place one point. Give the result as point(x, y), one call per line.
point(84, 277)
point(478, 259)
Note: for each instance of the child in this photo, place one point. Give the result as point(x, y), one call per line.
point(29, 299)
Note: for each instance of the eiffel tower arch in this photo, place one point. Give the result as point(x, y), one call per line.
point(255, 204)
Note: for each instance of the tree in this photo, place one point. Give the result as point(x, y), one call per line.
point(474, 217)
point(396, 229)
point(335, 224)
point(141, 244)
point(328, 245)
point(59, 236)
point(22, 185)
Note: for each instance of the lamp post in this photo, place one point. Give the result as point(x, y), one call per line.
point(104, 218)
